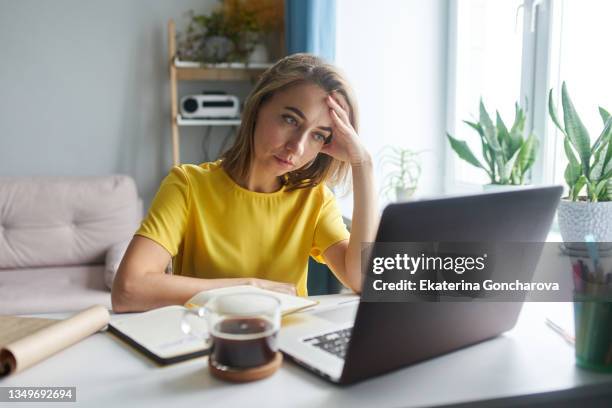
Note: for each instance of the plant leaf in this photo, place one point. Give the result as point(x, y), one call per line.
point(605, 133)
point(486, 151)
point(602, 158)
point(576, 131)
point(572, 174)
point(605, 115)
point(552, 111)
point(507, 169)
point(503, 136)
point(488, 129)
point(599, 188)
point(475, 126)
point(527, 155)
point(464, 152)
point(516, 132)
point(575, 189)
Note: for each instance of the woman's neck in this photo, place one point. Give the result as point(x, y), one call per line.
point(257, 184)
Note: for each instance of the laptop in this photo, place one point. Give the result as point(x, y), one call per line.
point(361, 339)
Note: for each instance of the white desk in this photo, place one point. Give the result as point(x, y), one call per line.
point(528, 360)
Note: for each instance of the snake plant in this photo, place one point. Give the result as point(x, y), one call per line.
point(589, 166)
point(507, 154)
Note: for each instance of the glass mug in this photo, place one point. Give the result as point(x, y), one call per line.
point(241, 329)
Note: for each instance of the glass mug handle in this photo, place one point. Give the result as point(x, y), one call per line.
point(195, 323)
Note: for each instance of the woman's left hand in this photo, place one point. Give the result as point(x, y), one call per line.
point(345, 145)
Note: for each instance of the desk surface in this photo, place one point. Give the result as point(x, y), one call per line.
point(528, 360)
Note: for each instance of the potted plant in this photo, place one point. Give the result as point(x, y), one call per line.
point(227, 34)
point(402, 178)
point(589, 169)
point(507, 154)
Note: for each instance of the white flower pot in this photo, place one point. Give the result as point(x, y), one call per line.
point(490, 188)
point(580, 218)
point(404, 194)
point(259, 54)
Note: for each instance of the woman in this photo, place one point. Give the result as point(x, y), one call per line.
point(255, 216)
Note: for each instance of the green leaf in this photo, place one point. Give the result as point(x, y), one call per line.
point(575, 189)
point(576, 131)
point(569, 153)
point(571, 175)
point(605, 134)
point(507, 169)
point(516, 131)
point(486, 151)
point(600, 188)
point(475, 126)
point(488, 129)
point(464, 152)
point(527, 155)
point(503, 137)
point(602, 158)
point(552, 111)
point(605, 115)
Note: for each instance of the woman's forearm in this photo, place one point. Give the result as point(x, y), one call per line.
point(364, 222)
point(152, 290)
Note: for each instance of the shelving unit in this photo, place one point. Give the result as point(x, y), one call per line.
point(193, 71)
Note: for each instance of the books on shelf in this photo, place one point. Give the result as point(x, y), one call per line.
point(158, 335)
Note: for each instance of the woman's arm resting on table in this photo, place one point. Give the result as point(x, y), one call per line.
point(141, 284)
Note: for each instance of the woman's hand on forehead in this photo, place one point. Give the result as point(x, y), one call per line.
point(345, 144)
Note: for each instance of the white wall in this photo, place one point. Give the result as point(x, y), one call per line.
point(84, 88)
point(394, 54)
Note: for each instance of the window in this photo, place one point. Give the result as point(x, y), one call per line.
point(487, 41)
point(580, 56)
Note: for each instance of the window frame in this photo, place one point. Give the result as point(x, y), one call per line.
point(535, 82)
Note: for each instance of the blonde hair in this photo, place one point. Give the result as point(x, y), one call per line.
point(287, 72)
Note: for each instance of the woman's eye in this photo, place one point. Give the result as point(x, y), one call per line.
point(290, 119)
point(319, 137)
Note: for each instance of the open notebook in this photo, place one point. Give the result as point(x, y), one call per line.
point(157, 333)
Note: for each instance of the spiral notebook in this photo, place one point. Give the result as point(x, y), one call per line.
point(157, 333)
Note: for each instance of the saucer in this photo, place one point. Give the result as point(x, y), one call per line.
point(246, 374)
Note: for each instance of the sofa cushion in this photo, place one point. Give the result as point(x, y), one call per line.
point(55, 289)
point(51, 221)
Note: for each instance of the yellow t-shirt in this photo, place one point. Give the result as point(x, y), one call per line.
point(216, 229)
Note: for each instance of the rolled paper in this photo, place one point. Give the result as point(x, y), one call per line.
point(31, 349)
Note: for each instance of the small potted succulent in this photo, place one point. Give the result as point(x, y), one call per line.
point(587, 210)
point(507, 153)
point(402, 171)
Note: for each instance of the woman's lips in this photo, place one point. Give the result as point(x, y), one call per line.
point(285, 163)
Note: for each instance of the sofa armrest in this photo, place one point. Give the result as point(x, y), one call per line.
point(114, 255)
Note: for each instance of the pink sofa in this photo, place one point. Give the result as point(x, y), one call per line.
point(55, 234)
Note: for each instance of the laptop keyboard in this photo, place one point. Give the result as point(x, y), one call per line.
point(335, 342)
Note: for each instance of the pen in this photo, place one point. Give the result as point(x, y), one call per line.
point(592, 249)
point(559, 330)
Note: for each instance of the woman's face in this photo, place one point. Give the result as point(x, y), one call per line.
point(291, 129)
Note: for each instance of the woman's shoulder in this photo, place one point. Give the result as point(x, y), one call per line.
point(196, 172)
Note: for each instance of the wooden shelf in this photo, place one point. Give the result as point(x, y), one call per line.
point(196, 71)
point(193, 71)
point(181, 121)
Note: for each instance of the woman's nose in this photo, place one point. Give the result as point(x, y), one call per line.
point(296, 143)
